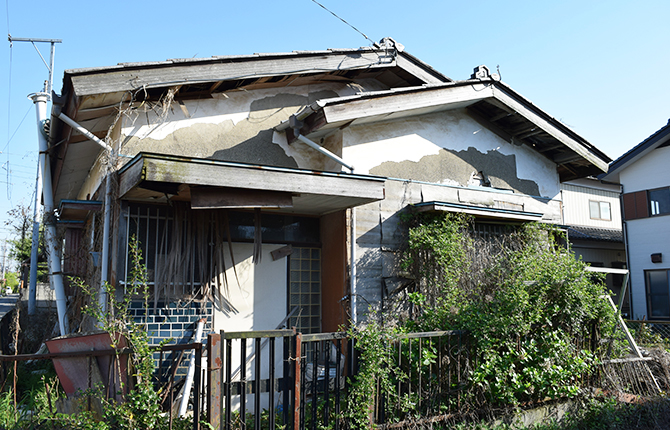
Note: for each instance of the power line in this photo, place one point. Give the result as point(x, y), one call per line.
point(335, 15)
point(15, 131)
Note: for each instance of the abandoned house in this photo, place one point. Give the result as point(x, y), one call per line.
point(266, 189)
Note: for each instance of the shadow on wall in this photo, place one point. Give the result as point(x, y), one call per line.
point(458, 166)
point(265, 114)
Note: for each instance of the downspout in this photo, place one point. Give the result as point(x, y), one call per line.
point(624, 226)
point(352, 267)
point(191, 370)
point(40, 101)
point(32, 288)
point(295, 123)
point(104, 269)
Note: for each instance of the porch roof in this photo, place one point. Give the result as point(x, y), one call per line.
point(152, 177)
point(480, 212)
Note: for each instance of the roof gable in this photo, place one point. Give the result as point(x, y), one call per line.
point(657, 140)
point(489, 101)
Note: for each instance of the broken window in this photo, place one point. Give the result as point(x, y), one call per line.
point(187, 252)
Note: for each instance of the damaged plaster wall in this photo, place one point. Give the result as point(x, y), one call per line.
point(447, 147)
point(381, 234)
point(236, 126)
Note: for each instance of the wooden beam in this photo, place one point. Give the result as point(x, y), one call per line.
point(162, 168)
point(500, 116)
point(478, 116)
point(128, 78)
point(238, 198)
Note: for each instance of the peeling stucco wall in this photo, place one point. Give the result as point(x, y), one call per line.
point(237, 126)
point(447, 147)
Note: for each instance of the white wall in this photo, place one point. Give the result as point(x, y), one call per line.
point(260, 304)
point(369, 145)
point(651, 171)
point(648, 235)
point(576, 206)
point(645, 237)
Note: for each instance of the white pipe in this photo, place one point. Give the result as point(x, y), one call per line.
point(323, 150)
point(352, 264)
point(104, 267)
point(67, 120)
point(104, 255)
point(40, 101)
point(191, 371)
point(32, 286)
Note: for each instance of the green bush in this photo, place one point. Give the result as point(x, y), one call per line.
point(531, 308)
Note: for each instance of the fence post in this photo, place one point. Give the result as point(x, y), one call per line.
point(196, 386)
point(296, 391)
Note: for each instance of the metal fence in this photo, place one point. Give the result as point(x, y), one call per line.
point(282, 379)
point(649, 334)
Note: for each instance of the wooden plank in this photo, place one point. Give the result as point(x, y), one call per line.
point(206, 172)
point(131, 176)
point(406, 101)
point(238, 198)
point(416, 70)
point(129, 78)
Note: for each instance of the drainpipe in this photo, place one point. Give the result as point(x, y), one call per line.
point(32, 288)
point(295, 123)
point(40, 101)
point(191, 371)
point(629, 279)
point(352, 267)
point(323, 150)
point(104, 269)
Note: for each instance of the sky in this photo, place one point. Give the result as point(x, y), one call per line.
point(594, 65)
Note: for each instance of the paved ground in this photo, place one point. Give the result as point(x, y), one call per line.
point(7, 303)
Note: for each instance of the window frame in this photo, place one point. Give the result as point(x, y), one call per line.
point(656, 208)
point(600, 204)
point(649, 296)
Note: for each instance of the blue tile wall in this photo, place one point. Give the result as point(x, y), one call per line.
point(174, 322)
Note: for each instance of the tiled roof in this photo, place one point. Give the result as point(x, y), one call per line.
point(594, 233)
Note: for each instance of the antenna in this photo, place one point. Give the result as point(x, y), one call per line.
point(43, 187)
point(50, 66)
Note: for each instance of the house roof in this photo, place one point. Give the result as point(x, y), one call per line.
point(594, 233)
point(91, 96)
point(488, 100)
point(659, 139)
point(480, 212)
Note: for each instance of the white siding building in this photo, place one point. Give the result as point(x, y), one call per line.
point(645, 179)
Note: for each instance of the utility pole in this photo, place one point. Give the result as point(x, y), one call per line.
point(32, 289)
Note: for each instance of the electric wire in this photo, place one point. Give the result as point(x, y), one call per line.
point(335, 15)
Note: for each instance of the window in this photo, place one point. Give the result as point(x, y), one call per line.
point(658, 295)
point(600, 210)
point(305, 289)
point(659, 201)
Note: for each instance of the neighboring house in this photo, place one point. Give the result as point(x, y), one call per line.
point(592, 217)
point(211, 157)
point(645, 181)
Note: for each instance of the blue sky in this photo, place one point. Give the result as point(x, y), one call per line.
point(597, 66)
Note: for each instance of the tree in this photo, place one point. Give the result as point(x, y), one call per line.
point(20, 220)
